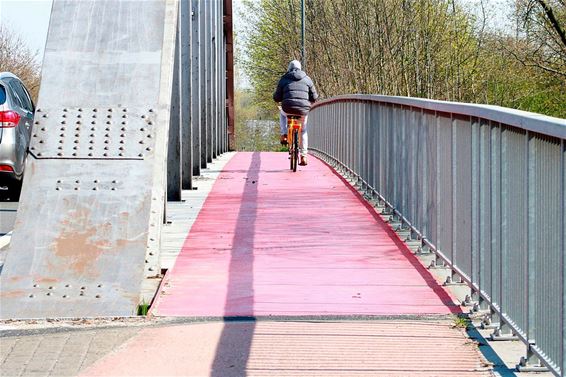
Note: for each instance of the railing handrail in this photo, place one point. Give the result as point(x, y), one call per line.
point(543, 124)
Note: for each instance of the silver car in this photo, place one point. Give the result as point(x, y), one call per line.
point(16, 122)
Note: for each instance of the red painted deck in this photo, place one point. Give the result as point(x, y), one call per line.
point(272, 242)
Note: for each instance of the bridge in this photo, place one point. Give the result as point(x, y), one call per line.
point(130, 117)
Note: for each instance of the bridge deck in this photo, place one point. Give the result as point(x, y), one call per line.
point(269, 242)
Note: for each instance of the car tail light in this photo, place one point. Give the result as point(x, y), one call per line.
point(9, 119)
point(6, 168)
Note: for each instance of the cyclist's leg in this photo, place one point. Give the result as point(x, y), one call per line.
point(283, 127)
point(304, 137)
point(282, 123)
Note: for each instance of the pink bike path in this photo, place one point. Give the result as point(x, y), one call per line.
point(270, 242)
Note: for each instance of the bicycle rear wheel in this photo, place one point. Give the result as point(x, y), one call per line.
point(295, 157)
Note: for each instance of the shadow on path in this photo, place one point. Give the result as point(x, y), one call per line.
point(234, 345)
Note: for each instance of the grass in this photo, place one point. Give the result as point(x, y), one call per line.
point(462, 322)
point(143, 308)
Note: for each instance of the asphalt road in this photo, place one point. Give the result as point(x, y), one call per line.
point(8, 209)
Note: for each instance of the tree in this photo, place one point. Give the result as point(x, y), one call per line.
point(16, 58)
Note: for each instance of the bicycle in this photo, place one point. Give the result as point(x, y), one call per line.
point(294, 127)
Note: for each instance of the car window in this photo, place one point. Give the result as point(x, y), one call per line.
point(28, 98)
point(24, 96)
point(15, 96)
point(2, 95)
point(20, 91)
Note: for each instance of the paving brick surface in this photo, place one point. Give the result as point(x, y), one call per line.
point(58, 354)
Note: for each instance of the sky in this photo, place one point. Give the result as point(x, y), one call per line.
point(29, 19)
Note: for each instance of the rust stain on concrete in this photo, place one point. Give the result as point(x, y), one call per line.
point(81, 243)
point(12, 294)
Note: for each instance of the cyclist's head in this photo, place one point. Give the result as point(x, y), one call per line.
point(293, 65)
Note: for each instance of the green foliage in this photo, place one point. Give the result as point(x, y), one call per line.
point(256, 128)
point(143, 308)
point(422, 48)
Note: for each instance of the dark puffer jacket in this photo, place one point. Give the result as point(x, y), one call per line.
point(296, 92)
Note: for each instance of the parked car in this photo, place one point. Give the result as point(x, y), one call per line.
point(16, 122)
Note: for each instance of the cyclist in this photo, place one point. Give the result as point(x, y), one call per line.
point(297, 93)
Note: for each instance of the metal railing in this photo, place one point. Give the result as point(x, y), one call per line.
point(483, 187)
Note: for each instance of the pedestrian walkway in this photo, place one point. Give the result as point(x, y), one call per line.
point(270, 242)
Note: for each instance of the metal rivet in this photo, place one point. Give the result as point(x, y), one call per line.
point(79, 116)
point(91, 141)
point(74, 154)
point(124, 122)
point(124, 110)
point(114, 181)
point(110, 110)
point(76, 141)
point(93, 122)
point(78, 122)
point(106, 141)
point(31, 296)
point(82, 294)
point(123, 128)
point(64, 116)
point(107, 135)
point(113, 189)
point(121, 141)
point(120, 154)
point(39, 154)
point(43, 128)
point(90, 155)
point(97, 296)
point(150, 123)
point(122, 135)
point(63, 128)
point(68, 285)
point(105, 154)
point(63, 122)
point(36, 122)
point(41, 142)
point(91, 148)
point(48, 293)
point(151, 110)
point(77, 181)
point(76, 188)
point(51, 287)
point(140, 155)
point(32, 148)
point(149, 136)
point(75, 148)
point(59, 154)
point(143, 116)
point(60, 148)
point(83, 288)
point(45, 115)
point(34, 135)
point(109, 116)
point(108, 122)
point(80, 109)
point(94, 116)
point(142, 142)
point(124, 116)
point(94, 110)
point(95, 181)
point(93, 129)
point(36, 285)
point(65, 296)
point(95, 188)
point(148, 149)
point(121, 148)
point(58, 188)
point(142, 129)
point(92, 135)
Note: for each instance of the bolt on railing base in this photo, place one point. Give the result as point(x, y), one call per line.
point(503, 333)
point(531, 363)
